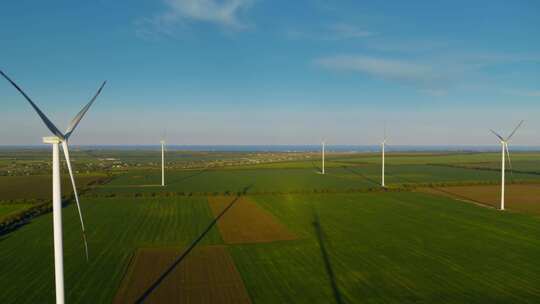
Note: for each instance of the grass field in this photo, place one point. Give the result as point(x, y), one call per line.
point(9, 209)
point(382, 247)
point(378, 247)
point(397, 248)
point(115, 229)
point(39, 186)
point(208, 275)
point(339, 178)
point(246, 222)
point(522, 198)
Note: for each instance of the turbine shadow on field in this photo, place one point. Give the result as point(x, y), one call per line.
point(326, 258)
point(361, 175)
point(162, 277)
point(463, 197)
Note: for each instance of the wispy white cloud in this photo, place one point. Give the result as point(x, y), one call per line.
point(226, 14)
point(385, 68)
point(347, 31)
point(336, 31)
point(434, 75)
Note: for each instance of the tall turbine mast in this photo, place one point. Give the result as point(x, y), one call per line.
point(163, 163)
point(323, 147)
point(505, 153)
point(383, 144)
point(58, 139)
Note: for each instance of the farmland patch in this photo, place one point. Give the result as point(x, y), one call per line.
point(520, 197)
point(246, 222)
point(207, 275)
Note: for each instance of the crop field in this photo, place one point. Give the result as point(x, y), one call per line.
point(338, 178)
point(8, 209)
point(207, 275)
point(296, 236)
point(115, 228)
point(246, 222)
point(522, 198)
point(36, 187)
point(393, 247)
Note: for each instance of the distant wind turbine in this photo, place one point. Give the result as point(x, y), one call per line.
point(55, 141)
point(162, 163)
point(504, 150)
point(323, 147)
point(383, 144)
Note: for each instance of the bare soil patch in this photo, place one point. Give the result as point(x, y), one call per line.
point(522, 198)
point(246, 222)
point(207, 275)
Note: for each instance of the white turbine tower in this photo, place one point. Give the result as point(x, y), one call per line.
point(323, 147)
point(162, 163)
point(504, 150)
point(383, 145)
point(60, 138)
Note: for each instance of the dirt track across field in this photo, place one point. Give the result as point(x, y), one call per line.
point(522, 198)
point(207, 275)
point(246, 222)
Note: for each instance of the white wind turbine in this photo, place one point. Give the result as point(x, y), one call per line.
point(55, 141)
point(162, 163)
point(504, 150)
point(383, 145)
point(323, 147)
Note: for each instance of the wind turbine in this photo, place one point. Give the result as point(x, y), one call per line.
point(60, 138)
point(504, 150)
point(162, 163)
point(383, 144)
point(323, 146)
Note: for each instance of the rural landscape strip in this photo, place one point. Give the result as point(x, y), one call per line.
point(186, 252)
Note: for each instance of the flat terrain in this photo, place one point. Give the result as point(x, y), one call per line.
point(246, 222)
point(296, 237)
point(40, 186)
point(522, 198)
point(9, 209)
point(207, 275)
point(116, 229)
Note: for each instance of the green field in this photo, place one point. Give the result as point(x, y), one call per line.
point(352, 247)
point(38, 187)
point(115, 229)
point(337, 178)
point(397, 247)
point(9, 209)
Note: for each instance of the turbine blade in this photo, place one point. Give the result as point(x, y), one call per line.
point(509, 162)
point(68, 162)
point(43, 117)
point(80, 115)
point(514, 132)
point(497, 134)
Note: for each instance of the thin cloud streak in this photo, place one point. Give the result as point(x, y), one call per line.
point(333, 32)
point(384, 68)
point(180, 13)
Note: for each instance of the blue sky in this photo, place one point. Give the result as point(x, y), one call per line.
point(273, 72)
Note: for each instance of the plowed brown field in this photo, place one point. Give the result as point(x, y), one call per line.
point(522, 198)
point(207, 275)
point(245, 222)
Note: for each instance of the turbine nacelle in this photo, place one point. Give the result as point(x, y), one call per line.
point(52, 140)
